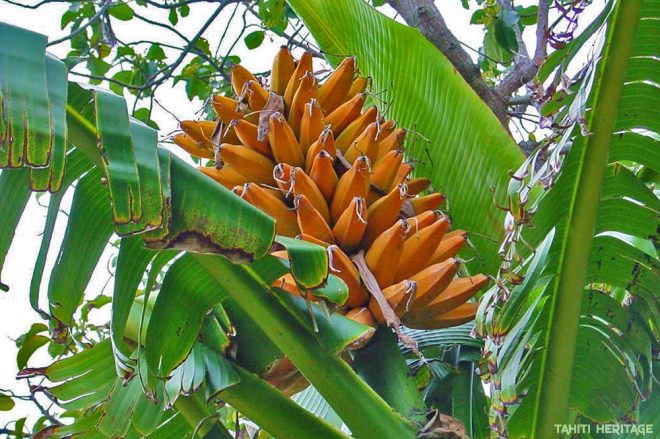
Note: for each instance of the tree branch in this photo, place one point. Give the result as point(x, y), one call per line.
point(525, 69)
point(425, 16)
point(36, 5)
point(99, 13)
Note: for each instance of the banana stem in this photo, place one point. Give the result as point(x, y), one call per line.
point(374, 289)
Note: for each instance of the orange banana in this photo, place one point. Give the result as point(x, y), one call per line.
point(295, 181)
point(304, 65)
point(425, 219)
point(200, 131)
point(345, 114)
point(239, 77)
point(364, 144)
point(449, 246)
point(355, 128)
point(310, 221)
point(457, 293)
point(256, 167)
point(342, 267)
point(324, 175)
point(349, 228)
point(325, 142)
point(305, 93)
point(354, 183)
point(385, 170)
point(432, 280)
point(384, 254)
point(227, 176)
point(419, 248)
point(257, 96)
point(192, 147)
point(418, 185)
point(361, 315)
point(287, 223)
point(402, 173)
point(334, 90)
point(358, 86)
point(393, 141)
point(226, 108)
point(311, 124)
point(385, 129)
point(427, 202)
point(283, 141)
point(455, 317)
point(398, 296)
point(313, 240)
point(283, 67)
point(247, 134)
point(383, 213)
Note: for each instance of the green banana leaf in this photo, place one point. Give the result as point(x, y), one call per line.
point(88, 230)
point(25, 124)
point(595, 233)
point(76, 166)
point(15, 194)
point(468, 154)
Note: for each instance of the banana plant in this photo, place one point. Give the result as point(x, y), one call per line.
point(171, 357)
point(166, 346)
point(572, 330)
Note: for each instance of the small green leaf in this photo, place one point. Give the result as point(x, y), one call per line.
point(254, 39)
point(479, 17)
point(68, 17)
point(121, 11)
point(184, 10)
point(173, 17)
point(6, 403)
point(203, 45)
point(125, 51)
point(97, 66)
point(156, 52)
point(505, 36)
point(528, 15)
point(28, 347)
point(142, 114)
point(124, 77)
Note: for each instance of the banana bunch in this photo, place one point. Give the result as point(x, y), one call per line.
point(333, 173)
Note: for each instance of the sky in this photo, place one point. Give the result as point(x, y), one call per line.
point(16, 315)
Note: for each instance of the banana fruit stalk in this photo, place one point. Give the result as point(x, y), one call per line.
point(334, 173)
